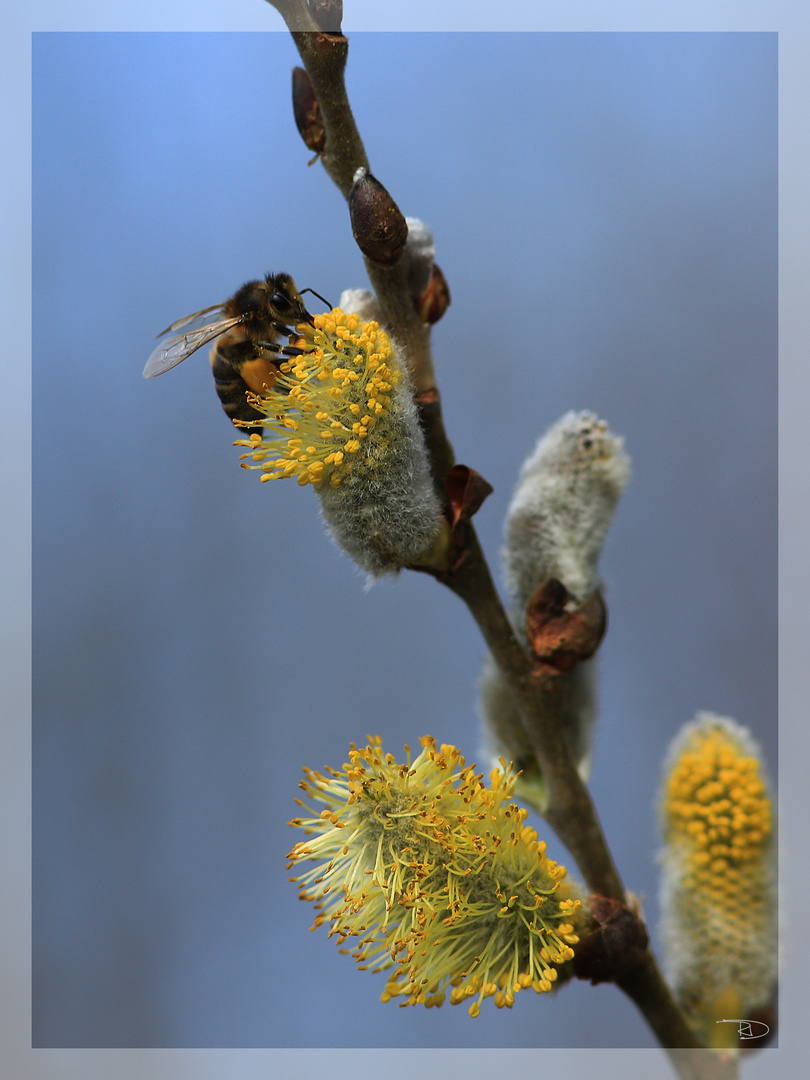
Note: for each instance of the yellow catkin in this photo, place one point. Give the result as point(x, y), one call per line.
point(438, 878)
point(718, 890)
point(348, 370)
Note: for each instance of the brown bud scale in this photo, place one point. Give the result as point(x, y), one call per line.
point(466, 491)
point(378, 225)
point(435, 300)
point(559, 637)
point(307, 111)
point(615, 945)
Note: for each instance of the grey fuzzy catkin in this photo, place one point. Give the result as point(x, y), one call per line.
point(504, 733)
point(385, 514)
point(555, 528)
point(563, 506)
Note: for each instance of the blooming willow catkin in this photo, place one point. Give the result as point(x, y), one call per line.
point(341, 417)
point(424, 868)
point(555, 527)
point(718, 903)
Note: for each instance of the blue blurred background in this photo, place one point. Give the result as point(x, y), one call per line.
point(604, 207)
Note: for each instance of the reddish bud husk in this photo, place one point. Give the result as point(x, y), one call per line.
point(307, 111)
point(435, 300)
point(561, 638)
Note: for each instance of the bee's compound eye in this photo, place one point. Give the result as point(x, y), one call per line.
point(282, 303)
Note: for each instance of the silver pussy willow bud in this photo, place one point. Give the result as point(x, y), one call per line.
point(718, 882)
point(563, 506)
point(555, 527)
point(420, 251)
point(362, 303)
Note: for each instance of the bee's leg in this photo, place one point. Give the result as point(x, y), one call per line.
point(284, 350)
point(284, 329)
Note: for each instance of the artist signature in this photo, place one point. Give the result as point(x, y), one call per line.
point(748, 1029)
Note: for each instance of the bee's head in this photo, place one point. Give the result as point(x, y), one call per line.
point(285, 299)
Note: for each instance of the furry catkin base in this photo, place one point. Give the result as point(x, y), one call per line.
point(385, 514)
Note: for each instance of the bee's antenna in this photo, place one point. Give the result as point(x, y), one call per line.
point(321, 298)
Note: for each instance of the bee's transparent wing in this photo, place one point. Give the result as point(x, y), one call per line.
point(187, 320)
point(175, 349)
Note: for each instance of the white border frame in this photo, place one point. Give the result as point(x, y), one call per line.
point(791, 19)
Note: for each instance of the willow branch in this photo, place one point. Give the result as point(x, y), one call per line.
point(571, 812)
point(324, 57)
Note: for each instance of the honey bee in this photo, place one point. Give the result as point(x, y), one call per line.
point(247, 329)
